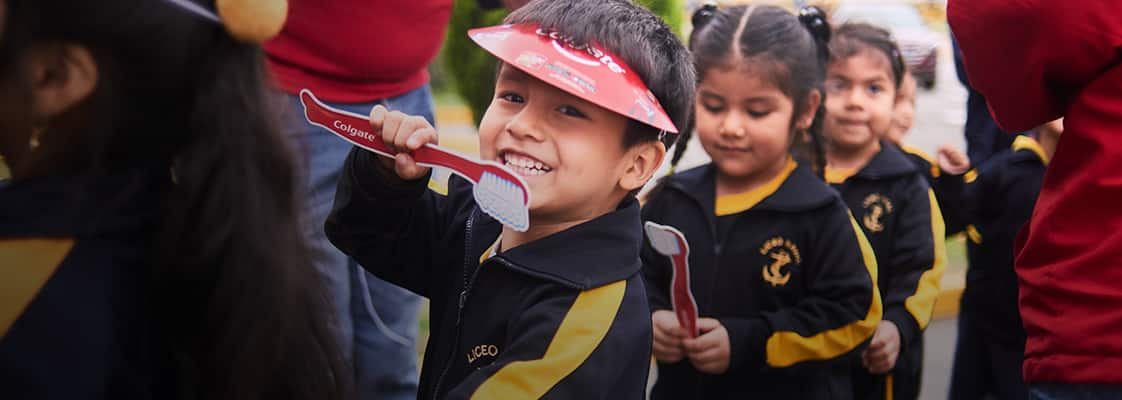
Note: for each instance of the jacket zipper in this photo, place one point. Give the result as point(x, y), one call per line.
point(460, 306)
point(711, 221)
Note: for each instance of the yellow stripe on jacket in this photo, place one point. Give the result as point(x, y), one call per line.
point(934, 164)
point(921, 304)
point(580, 333)
point(786, 348)
point(28, 265)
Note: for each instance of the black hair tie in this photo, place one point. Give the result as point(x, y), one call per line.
point(814, 19)
point(703, 15)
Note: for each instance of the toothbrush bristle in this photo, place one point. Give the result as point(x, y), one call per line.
point(664, 242)
point(503, 200)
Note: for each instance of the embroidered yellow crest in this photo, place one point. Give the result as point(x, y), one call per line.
point(877, 207)
point(783, 253)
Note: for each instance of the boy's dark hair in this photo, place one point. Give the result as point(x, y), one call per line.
point(851, 38)
point(639, 38)
point(233, 301)
point(792, 50)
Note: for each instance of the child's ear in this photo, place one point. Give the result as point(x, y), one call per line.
point(813, 100)
point(641, 162)
point(61, 75)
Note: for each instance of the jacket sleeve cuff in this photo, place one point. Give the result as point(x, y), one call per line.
point(949, 191)
point(907, 326)
point(747, 343)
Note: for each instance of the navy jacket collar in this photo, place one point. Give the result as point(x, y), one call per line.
point(82, 205)
point(801, 191)
point(890, 162)
point(586, 256)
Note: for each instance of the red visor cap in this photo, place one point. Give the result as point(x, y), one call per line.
point(584, 70)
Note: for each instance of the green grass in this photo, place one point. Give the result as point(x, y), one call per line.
point(423, 335)
point(956, 253)
point(446, 97)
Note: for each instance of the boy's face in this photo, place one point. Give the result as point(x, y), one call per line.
point(903, 113)
point(569, 151)
point(860, 95)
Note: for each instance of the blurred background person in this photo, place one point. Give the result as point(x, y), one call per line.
point(983, 137)
point(993, 201)
point(149, 238)
point(1069, 256)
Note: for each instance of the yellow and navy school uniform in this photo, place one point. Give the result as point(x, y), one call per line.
point(997, 199)
point(74, 263)
point(899, 214)
point(562, 317)
point(787, 272)
point(925, 163)
point(938, 180)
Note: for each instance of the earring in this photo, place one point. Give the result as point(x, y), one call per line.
point(172, 173)
point(36, 134)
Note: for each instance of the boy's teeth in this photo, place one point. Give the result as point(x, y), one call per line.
point(525, 165)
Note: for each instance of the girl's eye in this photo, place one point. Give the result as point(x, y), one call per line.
point(571, 111)
point(512, 97)
point(834, 86)
point(715, 109)
point(876, 89)
point(759, 114)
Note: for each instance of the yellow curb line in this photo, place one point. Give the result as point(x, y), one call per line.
point(463, 143)
point(946, 305)
point(950, 295)
point(457, 114)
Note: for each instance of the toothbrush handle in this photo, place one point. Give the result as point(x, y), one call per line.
point(356, 129)
point(434, 156)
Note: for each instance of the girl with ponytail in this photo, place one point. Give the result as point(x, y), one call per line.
point(784, 280)
point(149, 240)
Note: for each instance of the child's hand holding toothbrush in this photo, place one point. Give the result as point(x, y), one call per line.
point(408, 145)
point(403, 134)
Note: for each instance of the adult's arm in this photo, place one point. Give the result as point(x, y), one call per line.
point(1030, 57)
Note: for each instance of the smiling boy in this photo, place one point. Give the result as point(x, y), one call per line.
point(557, 311)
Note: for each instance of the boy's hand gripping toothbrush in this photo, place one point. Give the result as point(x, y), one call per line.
point(499, 192)
point(670, 242)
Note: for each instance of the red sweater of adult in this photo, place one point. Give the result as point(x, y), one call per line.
point(354, 51)
point(1034, 61)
